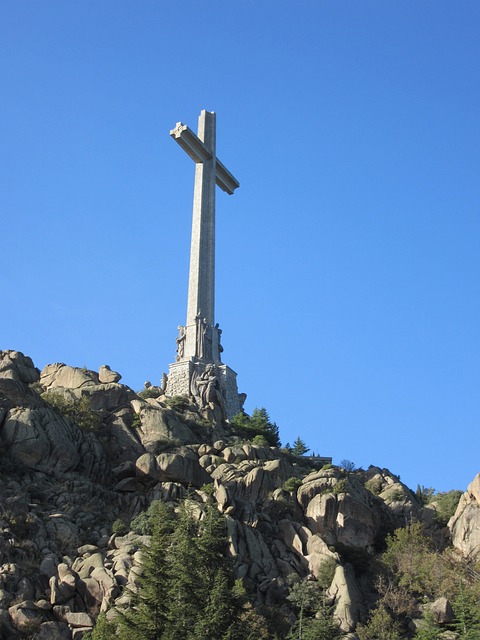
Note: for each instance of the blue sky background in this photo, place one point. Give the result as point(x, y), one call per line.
point(347, 262)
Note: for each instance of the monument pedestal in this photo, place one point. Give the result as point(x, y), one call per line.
point(182, 377)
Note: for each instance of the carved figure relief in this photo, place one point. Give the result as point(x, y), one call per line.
point(204, 338)
point(182, 334)
point(206, 390)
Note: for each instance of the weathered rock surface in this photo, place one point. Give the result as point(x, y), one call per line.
point(442, 611)
point(62, 488)
point(182, 466)
point(61, 375)
point(16, 366)
point(330, 501)
point(44, 440)
point(348, 601)
point(465, 524)
point(106, 375)
point(158, 423)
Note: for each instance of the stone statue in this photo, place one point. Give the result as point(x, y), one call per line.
point(207, 344)
point(219, 344)
point(199, 321)
point(182, 334)
point(163, 383)
point(205, 388)
point(204, 338)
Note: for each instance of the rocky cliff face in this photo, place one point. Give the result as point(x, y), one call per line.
point(80, 451)
point(465, 524)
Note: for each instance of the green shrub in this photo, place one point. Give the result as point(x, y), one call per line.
point(178, 403)
point(425, 494)
point(208, 488)
point(165, 444)
point(374, 485)
point(381, 625)
point(151, 392)
point(137, 421)
point(327, 466)
point(396, 495)
point(119, 527)
point(326, 572)
point(340, 487)
point(291, 484)
point(280, 509)
point(77, 410)
point(447, 503)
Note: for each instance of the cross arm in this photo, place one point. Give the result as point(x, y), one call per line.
point(197, 150)
point(224, 179)
point(190, 143)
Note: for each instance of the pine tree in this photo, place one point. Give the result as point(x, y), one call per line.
point(467, 613)
point(261, 423)
point(322, 627)
point(147, 617)
point(219, 613)
point(104, 630)
point(429, 631)
point(184, 605)
point(381, 625)
point(201, 602)
point(187, 588)
point(299, 447)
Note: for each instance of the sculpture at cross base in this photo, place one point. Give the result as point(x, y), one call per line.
point(198, 364)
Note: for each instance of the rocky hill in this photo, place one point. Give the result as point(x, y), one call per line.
point(84, 455)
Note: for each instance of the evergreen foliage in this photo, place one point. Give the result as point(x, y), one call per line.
point(258, 424)
point(430, 630)
point(315, 618)
point(467, 612)
point(381, 625)
point(292, 484)
point(446, 504)
point(147, 617)
point(299, 447)
point(186, 589)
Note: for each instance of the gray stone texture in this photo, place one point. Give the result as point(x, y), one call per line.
point(198, 342)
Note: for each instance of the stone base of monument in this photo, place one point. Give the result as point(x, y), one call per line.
point(205, 382)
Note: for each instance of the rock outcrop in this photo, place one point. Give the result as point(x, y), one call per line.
point(465, 524)
point(80, 452)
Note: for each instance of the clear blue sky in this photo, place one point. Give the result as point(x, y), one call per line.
point(348, 261)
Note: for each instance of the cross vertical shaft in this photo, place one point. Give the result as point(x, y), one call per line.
point(200, 339)
point(198, 371)
point(201, 281)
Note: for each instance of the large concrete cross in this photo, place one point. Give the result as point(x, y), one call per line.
point(201, 283)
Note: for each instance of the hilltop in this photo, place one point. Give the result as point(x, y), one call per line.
point(85, 460)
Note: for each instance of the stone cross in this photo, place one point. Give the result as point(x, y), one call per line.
point(199, 339)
